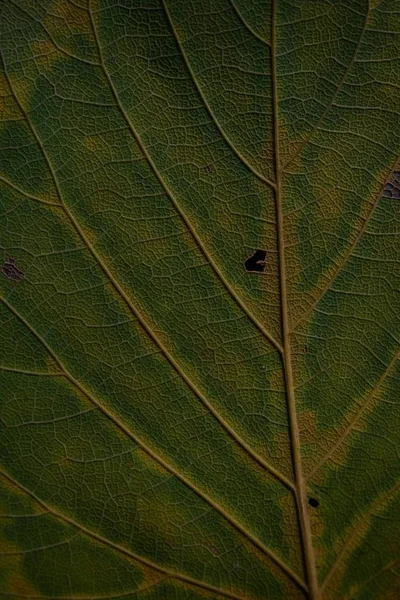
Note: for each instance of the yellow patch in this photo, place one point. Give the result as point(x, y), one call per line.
point(45, 54)
point(22, 88)
point(12, 576)
point(52, 366)
point(65, 20)
point(374, 4)
point(151, 464)
point(8, 107)
point(94, 143)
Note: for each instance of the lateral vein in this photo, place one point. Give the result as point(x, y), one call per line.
point(377, 504)
point(118, 547)
point(114, 419)
point(208, 107)
point(337, 91)
point(349, 252)
point(143, 323)
point(356, 417)
point(177, 206)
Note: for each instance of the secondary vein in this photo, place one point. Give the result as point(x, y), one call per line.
point(356, 417)
point(208, 107)
point(176, 204)
point(143, 323)
point(338, 89)
point(118, 547)
point(356, 530)
point(348, 254)
point(152, 454)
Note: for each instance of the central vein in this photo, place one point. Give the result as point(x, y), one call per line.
point(301, 496)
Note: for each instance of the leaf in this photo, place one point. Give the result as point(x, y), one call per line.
point(200, 299)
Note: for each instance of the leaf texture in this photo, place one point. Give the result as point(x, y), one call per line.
point(175, 425)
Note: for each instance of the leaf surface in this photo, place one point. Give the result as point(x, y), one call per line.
point(200, 307)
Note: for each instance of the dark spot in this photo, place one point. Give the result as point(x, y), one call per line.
point(392, 188)
point(11, 271)
point(256, 262)
point(209, 169)
point(304, 350)
point(313, 502)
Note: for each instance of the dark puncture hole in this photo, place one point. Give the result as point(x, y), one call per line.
point(313, 502)
point(256, 262)
point(209, 169)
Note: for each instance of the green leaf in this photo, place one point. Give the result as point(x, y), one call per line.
point(183, 417)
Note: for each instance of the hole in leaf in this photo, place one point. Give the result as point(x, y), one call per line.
point(11, 271)
point(313, 502)
point(209, 169)
point(256, 262)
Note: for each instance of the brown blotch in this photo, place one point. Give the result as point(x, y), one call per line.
point(11, 271)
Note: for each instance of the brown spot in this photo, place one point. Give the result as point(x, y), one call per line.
point(11, 271)
point(392, 188)
point(94, 142)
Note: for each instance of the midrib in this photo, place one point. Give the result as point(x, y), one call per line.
point(301, 496)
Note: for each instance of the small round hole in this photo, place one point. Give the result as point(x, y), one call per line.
point(313, 502)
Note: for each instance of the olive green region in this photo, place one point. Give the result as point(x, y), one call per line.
point(331, 185)
point(39, 553)
point(254, 16)
point(357, 486)
point(67, 454)
point(21, 160)
point(316, 44)
point(19, 349)
point(156, 254)
point(147, 149)
point(166, 94)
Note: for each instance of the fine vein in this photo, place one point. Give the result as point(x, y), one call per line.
point(169, 468)
point(348, 254)
point(118, 547)
point(143, 323)
point(176, 204)
point(356, 417)
point(208, 107)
